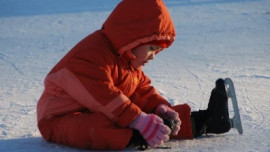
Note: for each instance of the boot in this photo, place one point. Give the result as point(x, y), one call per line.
point(138, 141)
point(215, 119)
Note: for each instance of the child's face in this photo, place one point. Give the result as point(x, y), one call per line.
point(143, 54)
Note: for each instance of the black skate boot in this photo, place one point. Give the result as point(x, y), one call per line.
point(216, 118)
point(138, 141)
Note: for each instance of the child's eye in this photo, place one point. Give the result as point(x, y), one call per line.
point(153, 48)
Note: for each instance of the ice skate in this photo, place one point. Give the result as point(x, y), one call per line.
point(235, 120)
point(215, 119)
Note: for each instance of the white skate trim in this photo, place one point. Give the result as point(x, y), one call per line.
point(235, 120)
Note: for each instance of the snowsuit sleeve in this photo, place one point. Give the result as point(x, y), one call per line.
point(146, 96)
point(87, 78)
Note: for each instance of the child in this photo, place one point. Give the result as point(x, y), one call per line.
point(98, 97)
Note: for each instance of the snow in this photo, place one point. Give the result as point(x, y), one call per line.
point(215, 38)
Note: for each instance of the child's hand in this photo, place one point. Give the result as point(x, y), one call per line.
point(152, 129)
point(166, 112)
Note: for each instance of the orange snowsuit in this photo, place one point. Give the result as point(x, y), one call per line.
point(92, 94)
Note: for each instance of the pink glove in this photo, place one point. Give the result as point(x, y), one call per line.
point(152, 129)
point(166, 112)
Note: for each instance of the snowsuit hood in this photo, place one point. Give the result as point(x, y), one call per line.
point(128, 26)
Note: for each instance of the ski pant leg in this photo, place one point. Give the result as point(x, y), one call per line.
point(186, 126)
point(85, 130)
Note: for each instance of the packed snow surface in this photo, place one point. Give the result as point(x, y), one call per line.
point(215, 38)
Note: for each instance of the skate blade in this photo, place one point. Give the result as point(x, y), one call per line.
point(236, 120)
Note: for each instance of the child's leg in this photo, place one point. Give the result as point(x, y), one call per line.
point(186, 126)
point(215, 119)
point(85, 130)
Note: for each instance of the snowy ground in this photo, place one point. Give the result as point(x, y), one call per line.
point(215, 38)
